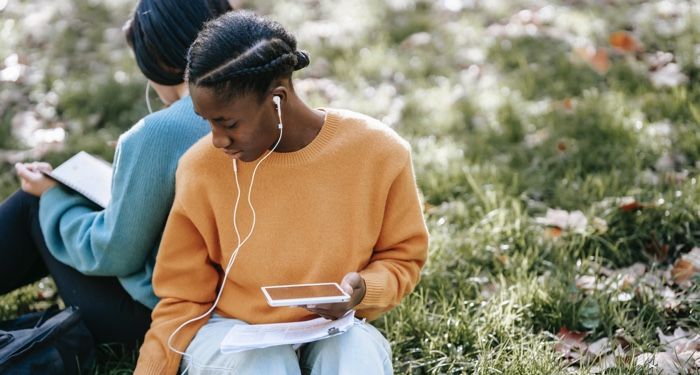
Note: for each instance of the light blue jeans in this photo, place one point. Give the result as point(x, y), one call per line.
point(360, 350)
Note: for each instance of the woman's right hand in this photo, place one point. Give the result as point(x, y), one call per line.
point(32, 179)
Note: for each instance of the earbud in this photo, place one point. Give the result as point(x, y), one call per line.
point(278, 103)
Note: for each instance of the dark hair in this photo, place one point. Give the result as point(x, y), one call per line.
point(160, 33)
point(242, 52)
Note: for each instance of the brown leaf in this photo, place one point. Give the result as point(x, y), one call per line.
point(568, 104)
point(597, 58)
point(682, 271)
point(552, 232)
point(624, 41)
point(570, 343)
point(631, 206)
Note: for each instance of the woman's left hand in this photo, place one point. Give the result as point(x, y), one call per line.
point(33, 181)
point(354, 285)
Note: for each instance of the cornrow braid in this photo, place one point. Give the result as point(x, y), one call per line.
point(242, 52)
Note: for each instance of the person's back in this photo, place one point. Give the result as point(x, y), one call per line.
point(102, 259)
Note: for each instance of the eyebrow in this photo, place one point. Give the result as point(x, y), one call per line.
point(216, 119)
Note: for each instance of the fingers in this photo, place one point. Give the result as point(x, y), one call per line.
point(33, 169)
point(328, 311)
point(350, 282)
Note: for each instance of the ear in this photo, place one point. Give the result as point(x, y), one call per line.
point(281, 91)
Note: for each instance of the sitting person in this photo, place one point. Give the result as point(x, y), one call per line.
point(329, 195)
point(102, 259)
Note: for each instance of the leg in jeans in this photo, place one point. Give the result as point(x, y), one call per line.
point(204, 356)
point(21, 263)
point(109, 312)
point(360, 350)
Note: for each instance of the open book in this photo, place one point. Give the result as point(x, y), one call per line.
point(245, 337)
point(88, 175)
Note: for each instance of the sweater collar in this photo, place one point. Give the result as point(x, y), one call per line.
point(310, 151)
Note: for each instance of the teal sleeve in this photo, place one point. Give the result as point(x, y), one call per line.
point(117, 240)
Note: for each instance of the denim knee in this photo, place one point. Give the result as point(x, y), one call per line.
point(362, 349)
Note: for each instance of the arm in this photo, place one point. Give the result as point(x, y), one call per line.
point(401, 249)
point(114, 241)
point(186, 283)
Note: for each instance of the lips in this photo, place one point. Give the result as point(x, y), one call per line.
point(233, 153)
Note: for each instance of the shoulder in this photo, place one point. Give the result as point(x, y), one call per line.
point(373, 138)
point(168, 126)
point(201, 158)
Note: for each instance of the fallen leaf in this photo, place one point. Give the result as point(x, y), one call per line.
point(570, 343)
point(668, 76)
point(597, 58)
point(670, 300)
point(568, 104)
point(624, 41)
point(682, 271)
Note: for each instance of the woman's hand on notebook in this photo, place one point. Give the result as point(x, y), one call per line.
point(33, 181)
point(354, 285)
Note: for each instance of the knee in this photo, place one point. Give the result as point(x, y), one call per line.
point(362, 348)
point(273, 360)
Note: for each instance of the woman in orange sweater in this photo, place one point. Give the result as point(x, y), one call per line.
point(292, 195)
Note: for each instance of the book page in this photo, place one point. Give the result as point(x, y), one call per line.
point(88, 175)
point(254, 336)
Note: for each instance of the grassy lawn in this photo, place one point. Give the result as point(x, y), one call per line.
point(556, 145)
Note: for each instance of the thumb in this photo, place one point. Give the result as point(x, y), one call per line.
point(351, 281)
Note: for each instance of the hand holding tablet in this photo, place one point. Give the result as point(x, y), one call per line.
point(330, 301)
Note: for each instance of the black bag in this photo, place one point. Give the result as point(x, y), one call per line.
point(47, 342)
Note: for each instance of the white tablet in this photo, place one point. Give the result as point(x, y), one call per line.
point(304, 294)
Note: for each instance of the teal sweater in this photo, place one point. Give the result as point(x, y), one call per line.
point(122, 240)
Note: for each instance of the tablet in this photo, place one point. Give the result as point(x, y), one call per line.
point(304, 294)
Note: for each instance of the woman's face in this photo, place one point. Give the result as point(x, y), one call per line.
point(241, 127)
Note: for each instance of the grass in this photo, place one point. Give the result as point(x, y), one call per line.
point(504, 126)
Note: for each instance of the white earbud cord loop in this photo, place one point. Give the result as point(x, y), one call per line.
point(238, 246)
point(148, 97)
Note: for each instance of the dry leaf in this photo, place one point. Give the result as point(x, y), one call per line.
point(568, 104)
point(670, 299)
point(682, 271)
point(597, 58)
point(570, 343)
point(624, 41)
point(668, 76)
point(574, 221)
point(552, 232)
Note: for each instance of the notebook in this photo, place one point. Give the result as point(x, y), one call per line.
point(88, 175)
point(244, 337)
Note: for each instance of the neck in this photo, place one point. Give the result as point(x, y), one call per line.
point(301, 125)
point(170, 94)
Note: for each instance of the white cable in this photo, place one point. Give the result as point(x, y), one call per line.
point(235, 252)
point(148, 98)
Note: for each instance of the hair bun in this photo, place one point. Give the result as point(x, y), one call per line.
point(302, 59)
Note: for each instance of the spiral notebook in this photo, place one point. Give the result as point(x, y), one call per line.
point(87, 175)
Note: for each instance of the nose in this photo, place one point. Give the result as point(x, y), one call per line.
point(219, 138)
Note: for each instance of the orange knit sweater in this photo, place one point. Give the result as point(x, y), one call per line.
point(345, 202)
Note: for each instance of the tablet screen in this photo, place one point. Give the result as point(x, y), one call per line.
point(304, 291)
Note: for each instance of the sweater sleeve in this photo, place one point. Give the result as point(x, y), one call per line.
point(401, 249)
point(114, 241)
point(186, 282)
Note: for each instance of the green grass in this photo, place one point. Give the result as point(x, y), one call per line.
point(503, 127)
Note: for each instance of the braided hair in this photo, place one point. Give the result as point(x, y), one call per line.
point(161, 31)
point(242, 52)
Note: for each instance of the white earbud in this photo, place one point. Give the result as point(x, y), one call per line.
point(278, 100)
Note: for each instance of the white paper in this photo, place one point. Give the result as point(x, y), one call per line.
point(88, 175)
point(255, 336)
